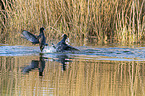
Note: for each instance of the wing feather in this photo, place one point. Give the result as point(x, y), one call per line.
point(31, 37)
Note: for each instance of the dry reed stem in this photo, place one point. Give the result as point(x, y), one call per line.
point(120, 20)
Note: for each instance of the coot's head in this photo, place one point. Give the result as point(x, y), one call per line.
point(41, 29)
point(64, 36)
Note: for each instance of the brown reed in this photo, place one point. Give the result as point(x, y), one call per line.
point(105, 20)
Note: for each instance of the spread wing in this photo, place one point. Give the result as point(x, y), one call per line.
point(62, 46)
point(70, 48)
point(31, 37)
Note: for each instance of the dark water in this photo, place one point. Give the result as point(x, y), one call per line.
point(94, 71)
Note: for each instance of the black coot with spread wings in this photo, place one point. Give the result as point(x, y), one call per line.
point(62, 46)
point(34, 39)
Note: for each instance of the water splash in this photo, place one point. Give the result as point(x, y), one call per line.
point(112, 53)
point(49, 49)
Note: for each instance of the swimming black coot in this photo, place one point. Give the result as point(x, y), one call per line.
point(62, 46)
point(34, 39)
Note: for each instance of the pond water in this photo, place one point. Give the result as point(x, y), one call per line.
point(94, 71)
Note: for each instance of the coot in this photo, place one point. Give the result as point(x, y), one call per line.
point(62, 46)
point(34, 39)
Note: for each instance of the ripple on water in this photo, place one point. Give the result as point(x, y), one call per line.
point(111, 53)
point(18, 50)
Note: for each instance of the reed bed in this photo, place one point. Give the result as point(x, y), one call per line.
point(122, 21)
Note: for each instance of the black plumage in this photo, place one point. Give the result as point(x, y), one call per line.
point(62, 46)
point(34, 39)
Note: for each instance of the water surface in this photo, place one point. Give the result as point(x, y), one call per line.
point(94, 71)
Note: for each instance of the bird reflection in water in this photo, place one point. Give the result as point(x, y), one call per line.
point(40, 64)
point(62, 58)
